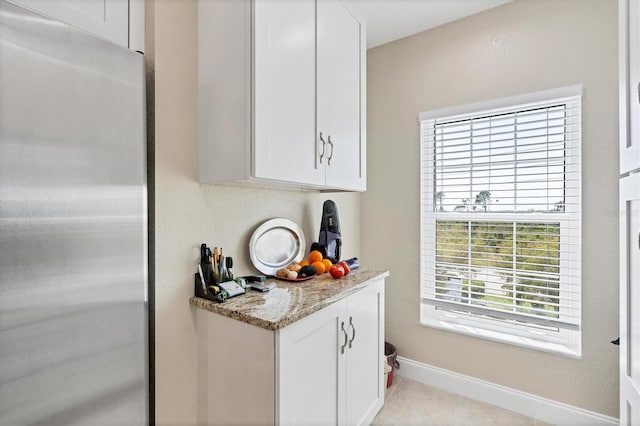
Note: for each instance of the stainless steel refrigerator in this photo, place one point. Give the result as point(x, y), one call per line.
point(73, 226)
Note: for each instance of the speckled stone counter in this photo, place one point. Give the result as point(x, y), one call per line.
point(289, 302)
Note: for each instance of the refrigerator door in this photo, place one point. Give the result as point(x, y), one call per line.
point(73, 226)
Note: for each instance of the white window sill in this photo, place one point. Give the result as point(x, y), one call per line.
point(503, 333)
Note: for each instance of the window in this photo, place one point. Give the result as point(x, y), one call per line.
point(500, 220)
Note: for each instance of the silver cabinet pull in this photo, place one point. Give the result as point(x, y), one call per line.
point(346, 338)
point(639, 92)
point(323, 147)
point(331, 156)
point(354, 331)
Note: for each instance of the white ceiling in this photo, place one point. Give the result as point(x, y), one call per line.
point(389, 20)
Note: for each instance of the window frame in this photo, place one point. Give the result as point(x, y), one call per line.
point(565, 341)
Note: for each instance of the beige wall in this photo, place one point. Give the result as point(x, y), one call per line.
point(521, 47)
point(188, 213)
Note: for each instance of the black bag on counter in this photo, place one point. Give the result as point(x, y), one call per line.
point(330, 240)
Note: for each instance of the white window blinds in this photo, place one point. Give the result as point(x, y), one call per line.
point(500, 214)
point(505, 162)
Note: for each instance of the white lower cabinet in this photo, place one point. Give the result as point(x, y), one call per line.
point(312, 369)
point(630, 300)
point(365, 384)
point(331, 363)
point(324, 369)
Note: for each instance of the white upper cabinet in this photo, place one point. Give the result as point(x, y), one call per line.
point(285, 91)
point(281, 93)
point(340, 94)
point(108, 19)
point(629, 45)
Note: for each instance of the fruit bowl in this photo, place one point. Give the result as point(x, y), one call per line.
point(295, 279)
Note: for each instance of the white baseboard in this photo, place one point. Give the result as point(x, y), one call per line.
point(524, 403)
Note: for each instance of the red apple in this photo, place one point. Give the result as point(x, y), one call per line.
point(345, 267)
point(336, 271)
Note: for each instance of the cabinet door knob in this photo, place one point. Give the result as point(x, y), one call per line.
point(330, 156)
point(346, 338)
point(354, 331)
point(323, 147)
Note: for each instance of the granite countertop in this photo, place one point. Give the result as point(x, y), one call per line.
point(289, 302)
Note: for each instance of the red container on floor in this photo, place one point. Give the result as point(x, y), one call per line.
point(390, 377)
point(391, 353)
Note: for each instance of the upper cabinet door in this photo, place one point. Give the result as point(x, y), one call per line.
point(340, 56)
point(108, 19)
point(285, 92)
point(629, 45)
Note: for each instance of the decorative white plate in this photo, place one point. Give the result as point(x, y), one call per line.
point(276, 244)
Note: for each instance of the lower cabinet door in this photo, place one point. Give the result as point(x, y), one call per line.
point(365, 354)
point(330, 364)
point(630, 300)
point(311, 363)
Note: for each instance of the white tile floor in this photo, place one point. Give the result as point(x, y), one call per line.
point(411, 403)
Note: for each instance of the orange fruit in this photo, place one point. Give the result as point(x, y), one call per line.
point(305, 262)
point(315, 256)
point(327, 264)
point(319, 266)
